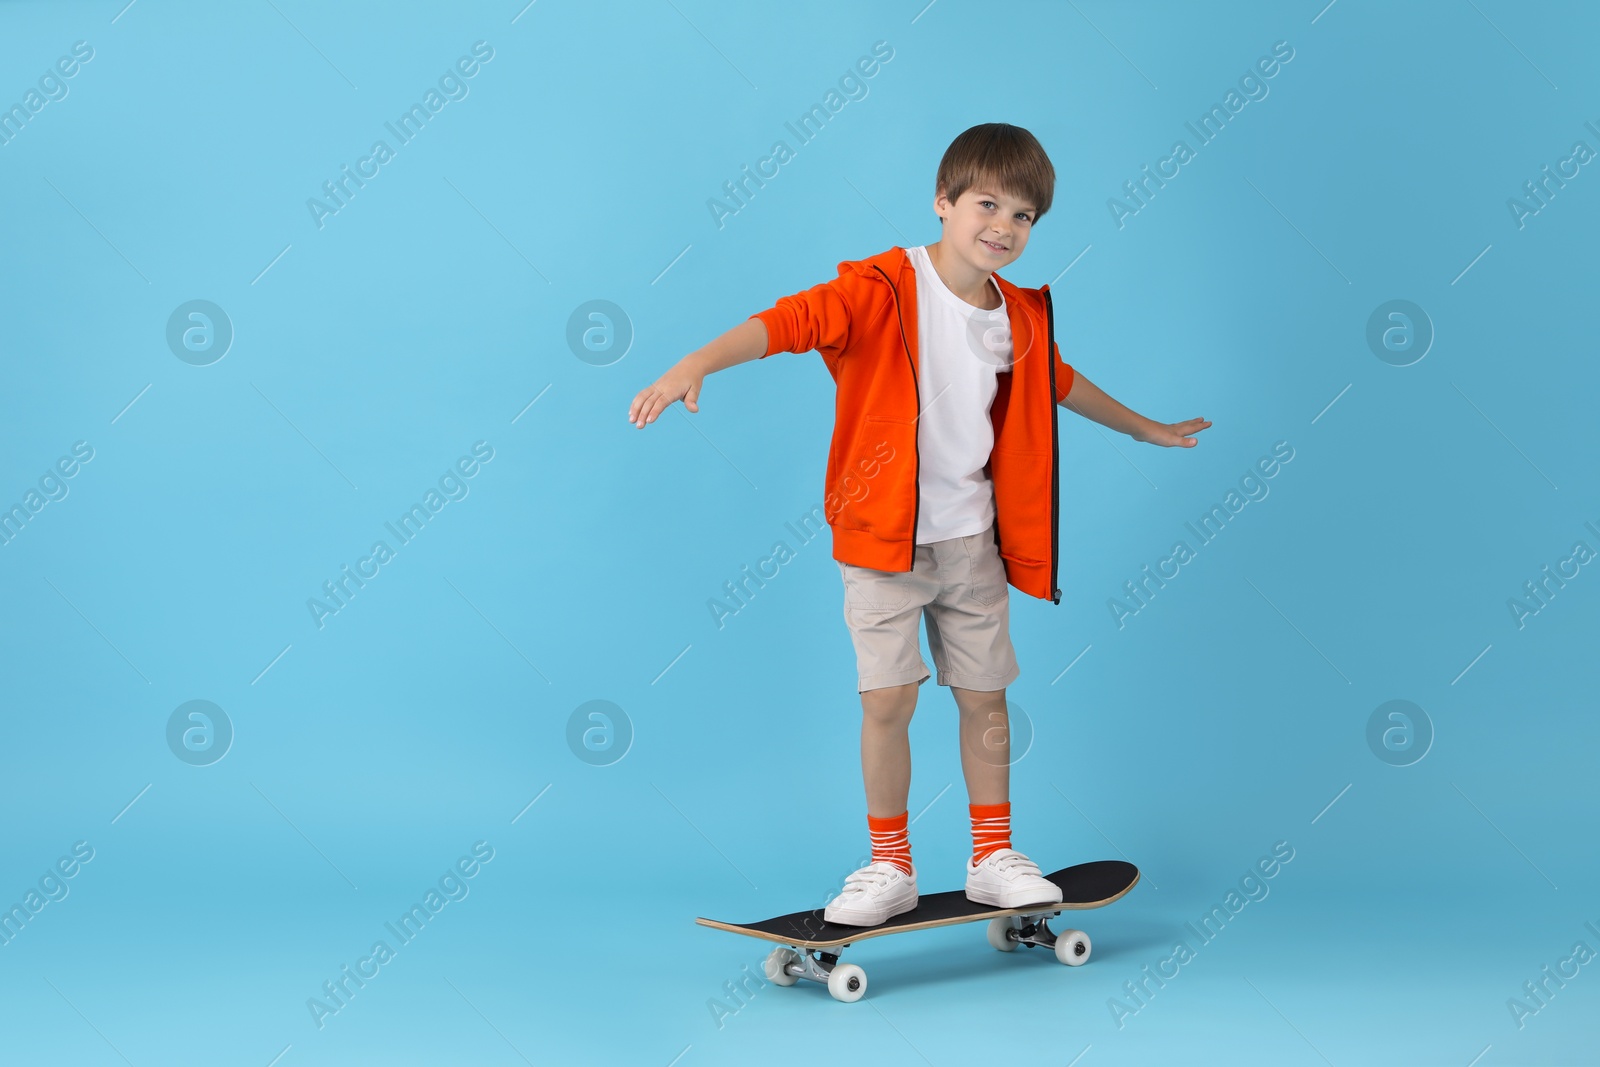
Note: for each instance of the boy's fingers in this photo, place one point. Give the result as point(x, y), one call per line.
point(653, 401)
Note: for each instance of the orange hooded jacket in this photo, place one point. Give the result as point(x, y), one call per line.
point(864, 324)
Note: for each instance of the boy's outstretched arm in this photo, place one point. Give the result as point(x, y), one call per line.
point(744, 342)
point(1091, 402)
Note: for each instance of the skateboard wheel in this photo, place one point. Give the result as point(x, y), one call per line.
point(1072, 947)
point(777, 966)
point(847, 982)
point(998, 929)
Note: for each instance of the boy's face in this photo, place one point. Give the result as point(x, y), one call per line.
point(986, 227)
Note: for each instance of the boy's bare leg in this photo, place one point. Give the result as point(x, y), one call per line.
point(886, 748)
point(985, 744)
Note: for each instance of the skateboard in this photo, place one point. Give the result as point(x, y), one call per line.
point(810, 945)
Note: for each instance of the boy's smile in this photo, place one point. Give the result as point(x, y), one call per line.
point(983, 230)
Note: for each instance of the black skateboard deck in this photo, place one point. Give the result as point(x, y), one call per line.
point(1084, 886)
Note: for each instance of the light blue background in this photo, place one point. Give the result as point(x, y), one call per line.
point(369, 354)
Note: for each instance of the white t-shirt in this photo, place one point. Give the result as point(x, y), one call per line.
point(961, 347)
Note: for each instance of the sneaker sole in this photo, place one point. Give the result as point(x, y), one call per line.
point(978, 897)
point(858, 919)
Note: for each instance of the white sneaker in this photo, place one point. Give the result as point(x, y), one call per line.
point(1008, 879)
point(874, 894)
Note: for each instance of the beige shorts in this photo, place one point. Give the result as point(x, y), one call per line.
point(962, 585)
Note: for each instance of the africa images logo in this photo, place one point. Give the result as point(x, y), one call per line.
point(452, 85)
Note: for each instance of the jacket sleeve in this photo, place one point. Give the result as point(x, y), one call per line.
point(817, 318)
point(1064, 376)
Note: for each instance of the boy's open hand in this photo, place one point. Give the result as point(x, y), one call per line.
point(1173, 433)
point(679, 383)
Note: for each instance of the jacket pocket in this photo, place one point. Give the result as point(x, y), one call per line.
point(1021, 480)
point(875, 486)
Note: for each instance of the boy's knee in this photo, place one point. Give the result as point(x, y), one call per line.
point(980, 701)
point(891, 705)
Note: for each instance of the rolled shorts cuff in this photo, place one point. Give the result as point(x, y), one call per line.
point(981, 683)
point(885, 679)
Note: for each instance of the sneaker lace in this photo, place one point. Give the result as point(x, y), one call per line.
point(870, 875)
point(1009, 862)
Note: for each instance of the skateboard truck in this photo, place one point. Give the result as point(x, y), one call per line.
point(1033, 929)
point(845, 981)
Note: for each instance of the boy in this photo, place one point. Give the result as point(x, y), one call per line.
point(941, 487)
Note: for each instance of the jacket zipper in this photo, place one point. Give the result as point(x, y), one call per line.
point(1055, 458)
point(916, 453)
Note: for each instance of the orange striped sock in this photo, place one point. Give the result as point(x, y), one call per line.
point(991, 829)
point(890, 841)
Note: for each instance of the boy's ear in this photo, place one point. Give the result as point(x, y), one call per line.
point(941, 204)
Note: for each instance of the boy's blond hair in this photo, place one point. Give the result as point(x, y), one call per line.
point(998, 152)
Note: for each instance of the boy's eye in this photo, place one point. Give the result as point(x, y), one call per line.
point(1023, 215)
